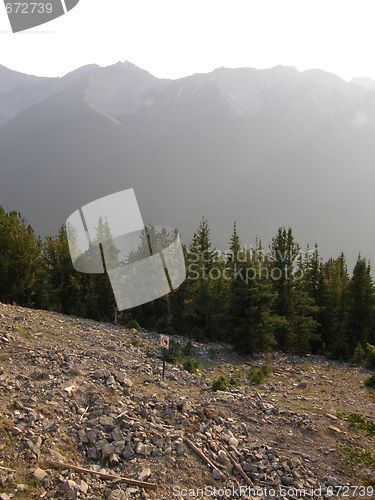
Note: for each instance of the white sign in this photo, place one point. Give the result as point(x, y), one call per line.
point(164, 341)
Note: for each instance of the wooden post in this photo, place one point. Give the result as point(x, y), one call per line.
point(164, 342)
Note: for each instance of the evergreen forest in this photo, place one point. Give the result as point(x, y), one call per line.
point(282, 297)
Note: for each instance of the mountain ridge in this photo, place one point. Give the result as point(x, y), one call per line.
point(365, 82)
point(290, 148)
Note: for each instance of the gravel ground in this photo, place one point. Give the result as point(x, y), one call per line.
point(75, 392)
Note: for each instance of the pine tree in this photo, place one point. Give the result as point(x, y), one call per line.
point(21, 266)
point(234, 246)
point(303, 326)
point(201, 261)
point(283, 252)
point(295, 310)
point(337, 281)
point(315, 281)
point(101, 300)
point(247, 320)
point(359, 321)
point(67, 286)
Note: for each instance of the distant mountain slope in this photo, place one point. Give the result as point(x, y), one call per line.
point(19, 91)
point(262, 147)
point(364, 82)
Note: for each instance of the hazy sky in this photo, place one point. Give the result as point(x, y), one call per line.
point(174, 38)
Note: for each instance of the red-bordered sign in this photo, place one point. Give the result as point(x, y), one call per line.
point(164, 341)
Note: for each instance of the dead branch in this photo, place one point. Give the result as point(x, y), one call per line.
point(84, 413)
point(6, 468)
point(240, 470)
point(199, 453)
point(102, 475)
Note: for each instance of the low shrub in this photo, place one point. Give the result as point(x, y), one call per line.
point(359, 422)
point(255, 375)
point(148, 352)
point(173, 354)
point(220, 384)
point(266, 369)
point(357, 456)
point(370, 356)
point(189, 349)
point(370, 381)
point(362, 423)
point(135, 342)
point(191, 365)
point(258, 375)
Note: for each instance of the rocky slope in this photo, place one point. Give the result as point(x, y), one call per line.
point(86, 394)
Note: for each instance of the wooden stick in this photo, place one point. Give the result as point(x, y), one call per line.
point(6, 468)
point(125, 414)
point(84, 413)
point(208, 461)
point(198, 452)
point(102, 475)
point(240, 470)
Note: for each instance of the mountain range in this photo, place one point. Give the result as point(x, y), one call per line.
point(264, 148)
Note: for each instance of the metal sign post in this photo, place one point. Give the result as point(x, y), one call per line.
point(164, 342)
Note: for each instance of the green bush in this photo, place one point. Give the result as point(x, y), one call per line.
point(370, 358)
point(189, 349)
point(358, 355)
point(233, 381)
point(133, 323)
point(258, 375)
point(148, 352)
point(266, 369)
point(135, 342)
point(370, 381)
point(362, 423)
point(357, 456)
point(173, 354)
point(191, 365)
point(220, 384)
